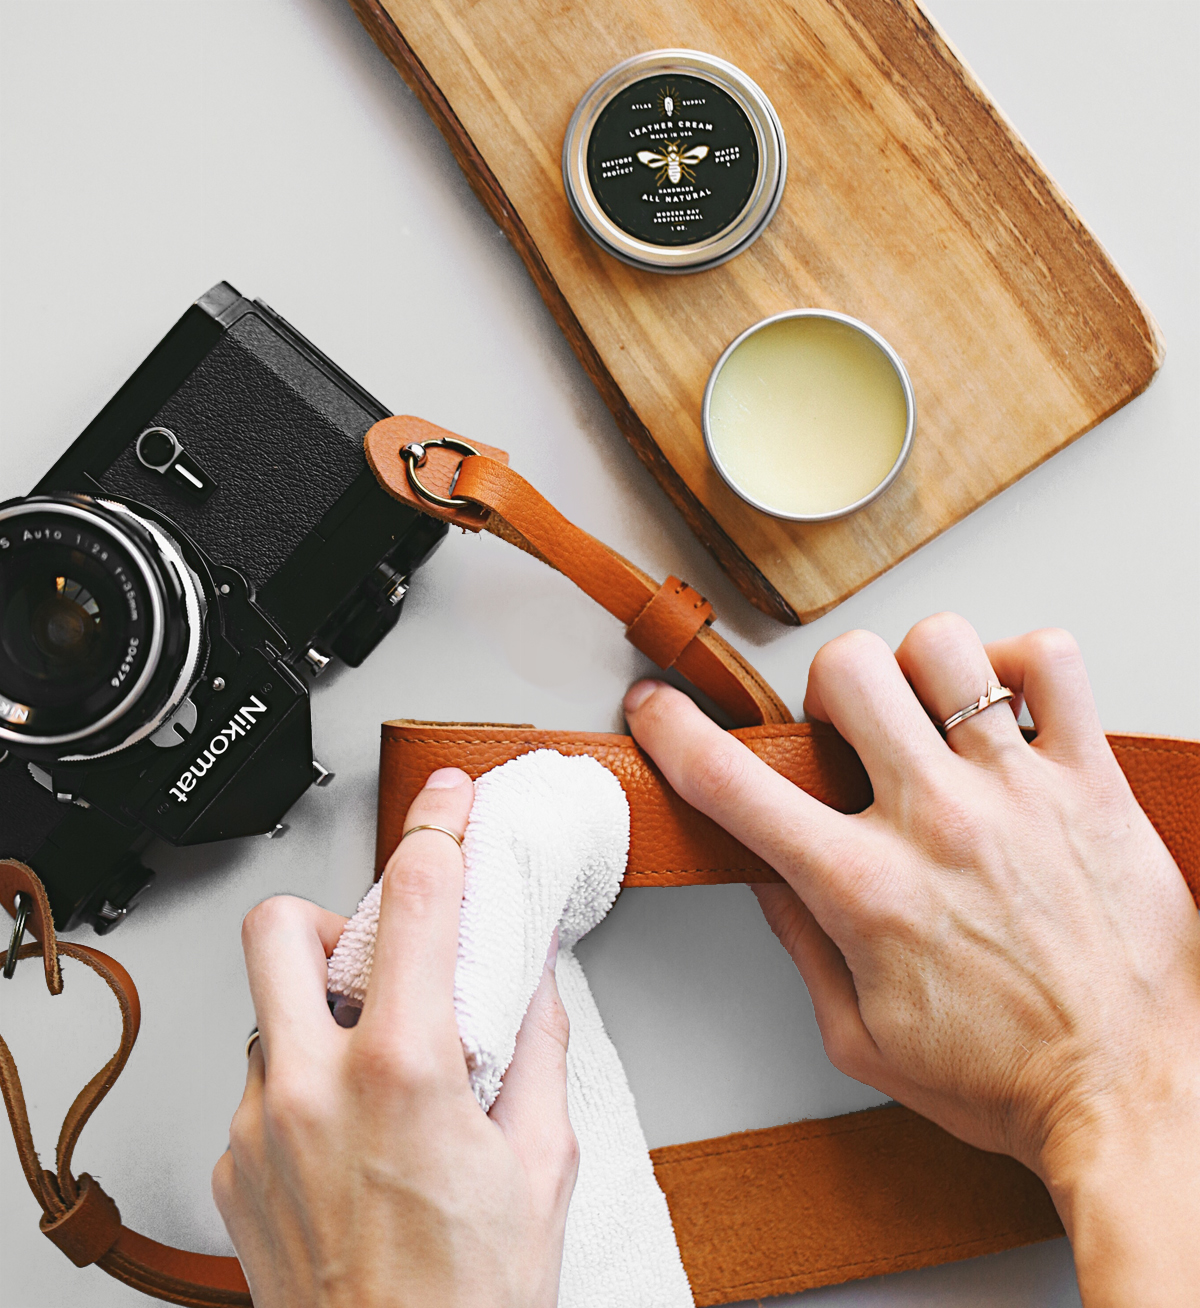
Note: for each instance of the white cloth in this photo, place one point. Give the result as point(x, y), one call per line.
point(546, 847)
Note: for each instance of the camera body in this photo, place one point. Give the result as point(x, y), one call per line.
point(207, 545)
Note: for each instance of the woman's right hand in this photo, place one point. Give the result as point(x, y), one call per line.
point(1001, 941)
point(361, 1172)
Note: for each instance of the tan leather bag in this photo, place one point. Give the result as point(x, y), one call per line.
point(756, 1214)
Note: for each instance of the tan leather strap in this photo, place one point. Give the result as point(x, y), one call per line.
point(812, 1203)
point(77, 1215)
point(758, 1213)
point(668, 623)
point(671, 844)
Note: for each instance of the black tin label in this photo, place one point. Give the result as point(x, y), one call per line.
point(672, 160)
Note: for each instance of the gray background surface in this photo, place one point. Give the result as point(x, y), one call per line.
point(152, 147)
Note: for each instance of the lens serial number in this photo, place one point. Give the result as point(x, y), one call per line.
point(127, 663)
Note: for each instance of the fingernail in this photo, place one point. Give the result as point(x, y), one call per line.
point(446, 779)
point(639, 693)
point(552, 952)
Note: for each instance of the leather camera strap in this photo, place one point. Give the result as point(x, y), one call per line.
point(812, 1203)
point(791, 1207)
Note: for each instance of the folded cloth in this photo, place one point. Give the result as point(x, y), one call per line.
point(546, 847)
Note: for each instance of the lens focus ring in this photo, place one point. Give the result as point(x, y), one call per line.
point(93, 624)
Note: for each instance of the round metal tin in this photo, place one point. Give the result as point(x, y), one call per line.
point(674, 161)
point(910, 407)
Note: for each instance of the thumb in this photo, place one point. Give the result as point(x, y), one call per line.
point(531, 1109)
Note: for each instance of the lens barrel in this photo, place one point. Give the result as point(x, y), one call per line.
point(101, 626)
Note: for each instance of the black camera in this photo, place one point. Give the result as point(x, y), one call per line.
point(212, 539)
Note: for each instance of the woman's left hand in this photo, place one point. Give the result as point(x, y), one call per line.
point(361, 1170)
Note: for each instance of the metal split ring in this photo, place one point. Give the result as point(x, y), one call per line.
point(24, 908)
point(993, 695)
point(414, 454)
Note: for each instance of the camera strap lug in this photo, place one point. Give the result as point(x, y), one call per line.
point(160, 450)
point(317, 661)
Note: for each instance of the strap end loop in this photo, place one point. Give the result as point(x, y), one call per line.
point(89, 1228)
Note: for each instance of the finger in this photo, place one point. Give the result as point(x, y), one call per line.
point(946, 664)
point(287, 942)
point(823, 968)
point(531, 1108)
point(856, 684)
point(411, 996)
point(1047, 668)
point(714, 772)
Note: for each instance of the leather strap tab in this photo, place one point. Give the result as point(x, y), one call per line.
point(517, 513)
point(16, 879)
point(383, 445)
point(89, 1228)
point(668, 624)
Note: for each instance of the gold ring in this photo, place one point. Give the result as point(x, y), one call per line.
point(429, 826)
point(993, 695)
point(251, 1040)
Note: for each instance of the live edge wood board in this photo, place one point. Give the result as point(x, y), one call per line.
point(911, 203)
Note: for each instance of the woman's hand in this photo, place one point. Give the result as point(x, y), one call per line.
point(1001, 941)
point(361, 1171)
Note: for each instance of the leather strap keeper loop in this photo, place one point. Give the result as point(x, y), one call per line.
point(89, 1228)
point(669, 623)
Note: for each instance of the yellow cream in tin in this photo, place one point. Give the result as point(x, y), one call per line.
point(807, 416)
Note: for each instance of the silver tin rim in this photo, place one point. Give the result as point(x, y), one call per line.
point(759, 209)
point(156, 617)
point(910, 405)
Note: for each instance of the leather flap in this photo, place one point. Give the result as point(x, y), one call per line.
point(388, 437)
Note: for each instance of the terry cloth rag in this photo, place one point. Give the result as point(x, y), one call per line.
point(546, 847)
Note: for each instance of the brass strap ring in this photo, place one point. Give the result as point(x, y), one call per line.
point(414, 457)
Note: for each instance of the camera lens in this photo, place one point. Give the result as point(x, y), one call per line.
point(100, 624)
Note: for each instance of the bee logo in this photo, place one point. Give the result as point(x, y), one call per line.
point(675, 164)
point(666, 101)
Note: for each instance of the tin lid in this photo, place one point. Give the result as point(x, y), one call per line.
point(674, 161)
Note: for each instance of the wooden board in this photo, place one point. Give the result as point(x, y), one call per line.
point(910, 203)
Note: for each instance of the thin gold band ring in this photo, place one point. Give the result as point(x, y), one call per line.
point(251, 1041)
point(430, 826)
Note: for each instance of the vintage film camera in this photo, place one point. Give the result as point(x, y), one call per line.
point(213, 537)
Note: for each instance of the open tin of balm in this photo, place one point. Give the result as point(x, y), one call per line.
point(674, 161)
point(809, 415)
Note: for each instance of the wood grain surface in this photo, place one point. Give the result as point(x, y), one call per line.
point(910, 203)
